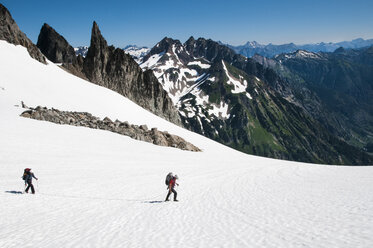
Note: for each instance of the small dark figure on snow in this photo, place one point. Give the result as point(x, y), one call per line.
point(171, 186)
point(27, 176)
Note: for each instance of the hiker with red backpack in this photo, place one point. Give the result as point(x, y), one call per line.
point(27, 176)
point(171, 182)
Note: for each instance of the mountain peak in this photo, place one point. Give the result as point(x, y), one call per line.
point(54, 46)
point(165, 45)
point(10, 32)
point(97, 40)
point(252, 44)
point(168, 41)
point(191, 39)
point(46, 26)
point(95, 31)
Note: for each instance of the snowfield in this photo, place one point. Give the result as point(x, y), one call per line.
point(101, 189)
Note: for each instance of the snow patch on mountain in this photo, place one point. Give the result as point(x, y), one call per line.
point(239, 87)
point(301, 54)
point(178, 78)
point(151, 61)
point(200, 64)
point(221, 110)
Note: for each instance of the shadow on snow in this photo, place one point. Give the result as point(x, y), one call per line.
point(14, 192)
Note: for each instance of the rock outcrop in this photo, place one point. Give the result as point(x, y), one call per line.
point(114, 69)
point(54, 46)
point(84, 119)
point(10, 32)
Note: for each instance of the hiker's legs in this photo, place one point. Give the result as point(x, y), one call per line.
point(175, 194)
point(29, 185)
point(168, 195)
point(32, 188)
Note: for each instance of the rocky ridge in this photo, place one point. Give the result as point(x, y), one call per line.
point(84, 119)
point(112, 68)
point(10, 32)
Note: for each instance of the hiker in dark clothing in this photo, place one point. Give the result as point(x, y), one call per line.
point(28, 175)
point(171, 187)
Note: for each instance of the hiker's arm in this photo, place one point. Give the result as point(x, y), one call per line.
point(34, 176)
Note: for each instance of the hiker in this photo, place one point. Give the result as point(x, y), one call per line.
point(171, 186)
point(27, 176)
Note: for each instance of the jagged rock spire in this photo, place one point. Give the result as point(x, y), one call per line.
point(114, 69)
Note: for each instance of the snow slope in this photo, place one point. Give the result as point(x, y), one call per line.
point(100, 189)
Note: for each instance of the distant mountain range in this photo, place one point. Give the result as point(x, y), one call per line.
point(255, 108)
point(135, 51)
point(252, 47)
point(270, 107)
point(81, 50)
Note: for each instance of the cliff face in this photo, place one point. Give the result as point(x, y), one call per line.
point(10, 32)
point(114, 69)
point(54, 46)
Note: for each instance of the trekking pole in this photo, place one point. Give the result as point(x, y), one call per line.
point(37, 185)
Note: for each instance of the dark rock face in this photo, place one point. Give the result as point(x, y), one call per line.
point(10, 32)
point(54, 46)
point(170, 47)
point(114, 69)
point(84, 119)
point(211, 50)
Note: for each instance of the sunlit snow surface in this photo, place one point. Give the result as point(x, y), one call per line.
point(100, 189)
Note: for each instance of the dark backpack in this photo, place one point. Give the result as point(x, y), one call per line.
point(168, 178)
point(26, 172)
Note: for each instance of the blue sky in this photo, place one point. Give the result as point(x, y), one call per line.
point(233, 21)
